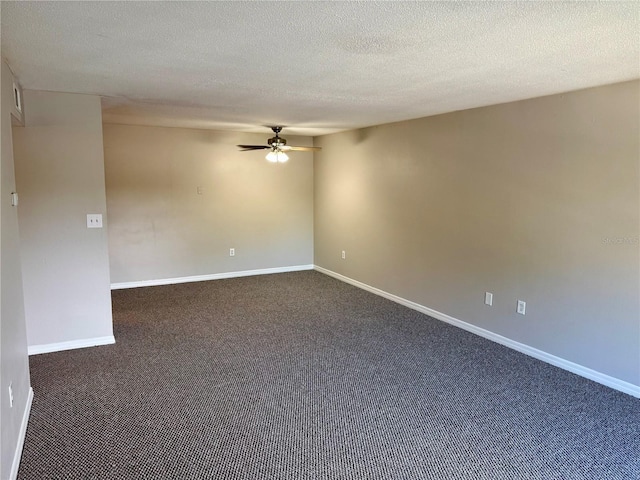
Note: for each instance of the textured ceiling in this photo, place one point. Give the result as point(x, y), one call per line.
point(317, 67)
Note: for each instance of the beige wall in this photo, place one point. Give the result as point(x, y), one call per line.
point(161, 228)
point(60, 174)
point(535, 200)
point(14, 364)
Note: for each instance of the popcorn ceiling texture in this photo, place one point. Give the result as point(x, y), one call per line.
point(317, 66)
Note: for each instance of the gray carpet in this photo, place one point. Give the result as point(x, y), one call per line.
point(300, 376)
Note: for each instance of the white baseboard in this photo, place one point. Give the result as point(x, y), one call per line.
point(21, 436)
point(585, 372)
point(58, 347)
point(212, 276)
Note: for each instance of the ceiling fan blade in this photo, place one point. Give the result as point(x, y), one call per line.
point(246, 148)
point(277, 144)
point(301, 149)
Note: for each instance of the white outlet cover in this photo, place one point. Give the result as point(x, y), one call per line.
point(94, 220)
point(522, 307)
point(488, 298)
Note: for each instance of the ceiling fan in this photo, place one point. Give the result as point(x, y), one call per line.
point(277, 146)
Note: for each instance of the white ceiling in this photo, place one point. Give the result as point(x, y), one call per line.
point(317, 67)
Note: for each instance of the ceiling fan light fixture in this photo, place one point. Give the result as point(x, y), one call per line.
point(277, 156)
point(277, 146)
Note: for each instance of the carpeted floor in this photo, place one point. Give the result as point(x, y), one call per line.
point(300, 376)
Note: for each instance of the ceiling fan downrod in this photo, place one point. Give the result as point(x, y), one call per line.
point(277, 141)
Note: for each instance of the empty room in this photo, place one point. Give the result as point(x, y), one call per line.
point(320, 240)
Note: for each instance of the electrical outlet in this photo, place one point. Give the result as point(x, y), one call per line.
point(521, 308)
point(488, 298)
point(232, 252)
point(344, 255)
point(94, 220)
point(11, 395)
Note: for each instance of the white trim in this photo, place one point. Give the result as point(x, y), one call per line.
point(212, 276)
point(58, 347)
point(609, 381)
point(21, 436)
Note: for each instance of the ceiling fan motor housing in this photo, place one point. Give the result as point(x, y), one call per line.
point(277, 141)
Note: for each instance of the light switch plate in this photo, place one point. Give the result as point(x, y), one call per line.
point(94, 220)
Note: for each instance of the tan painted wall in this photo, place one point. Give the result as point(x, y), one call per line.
point(161, 228)
point(60, 174)
point(535, 200)
point(14, 366)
